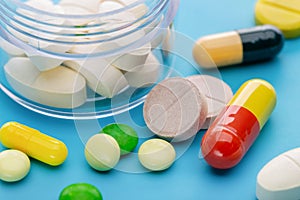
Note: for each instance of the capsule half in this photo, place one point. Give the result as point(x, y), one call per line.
point(236, 47)
point(235, 129)
point(33, 143)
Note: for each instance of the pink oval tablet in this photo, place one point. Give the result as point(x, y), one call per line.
point(175, 109)
point(217, 94)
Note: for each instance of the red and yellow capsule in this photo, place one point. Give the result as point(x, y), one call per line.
point(235, 129)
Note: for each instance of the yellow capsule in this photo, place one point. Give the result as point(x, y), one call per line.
point(34, 143)
point(258, 96)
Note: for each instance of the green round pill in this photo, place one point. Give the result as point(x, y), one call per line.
point(80, 191)
point(125, 136)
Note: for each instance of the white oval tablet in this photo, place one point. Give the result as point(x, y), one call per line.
point(72, 9)
point(138, 11)
point(60, 87)
point(156, 154)
point(91, 5)
point(44, 63)
point(100, 75)
point(83, 48)
point(108, 6)
point(10, 48)
point(279, 178)
point(102, 152)
point(175, 109)
point(132, 60)
point(144, 75)
point(217, 94)
point(14, 165)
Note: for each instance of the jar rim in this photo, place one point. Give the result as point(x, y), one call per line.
point(165, 9)
point(22, 5)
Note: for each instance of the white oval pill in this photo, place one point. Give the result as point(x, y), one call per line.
point(84, 48)
point(217, 94)
point(91, 5)
point(130, 61)
point(108, 6)
point(279, 178)
point(138, 11)
point(156, 154)
point(102, 152)
point(72, 9)
point(175, 109)
point(10, 48)
point(14, 165)
point(101, 77)
point(44, 63)
point(144, 75)
point(60, 87)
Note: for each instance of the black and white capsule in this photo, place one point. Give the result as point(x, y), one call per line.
point(242, 46)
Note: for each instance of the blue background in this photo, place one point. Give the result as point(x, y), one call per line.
point(190, 177)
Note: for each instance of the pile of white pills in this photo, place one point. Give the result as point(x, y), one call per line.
point(63, 83)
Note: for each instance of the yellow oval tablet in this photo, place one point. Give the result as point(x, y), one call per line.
point(284, 14)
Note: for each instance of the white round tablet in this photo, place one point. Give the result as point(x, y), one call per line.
point(217, 94)
point(156, 154)
point(102, 152)
point(175, 109)
point(14, 165)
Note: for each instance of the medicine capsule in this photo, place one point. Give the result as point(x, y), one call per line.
point(238, 125)
point(236, 47)
point(34, 143)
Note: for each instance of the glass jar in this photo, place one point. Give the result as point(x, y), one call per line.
point(84, 59)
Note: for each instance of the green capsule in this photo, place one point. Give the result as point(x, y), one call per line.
point(80, 191)
point(125, 136)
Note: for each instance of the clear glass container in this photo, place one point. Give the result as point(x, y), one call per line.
point(118, 50)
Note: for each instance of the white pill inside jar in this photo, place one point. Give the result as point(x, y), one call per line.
point(130, 61)
point(44, 62)
point(10, 48)
point(101, 76)
point(76, 10)
point(60, 87)
point(146, 74)
point(91, 5)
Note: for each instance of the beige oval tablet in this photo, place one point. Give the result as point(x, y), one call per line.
point(102, 152)
point(175, 109)
point(60, 87)
point(156, 154)
point(14, 165)
point(217, 94)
